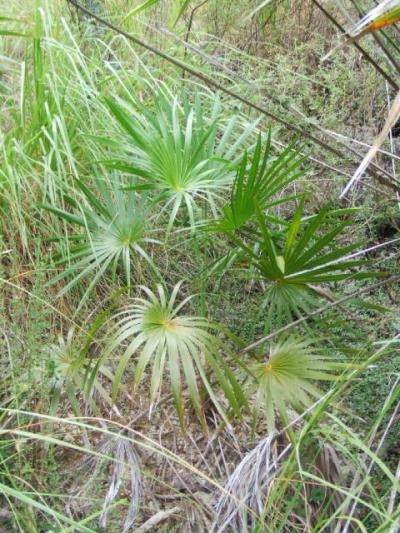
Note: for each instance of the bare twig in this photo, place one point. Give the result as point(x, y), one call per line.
point(150, 524)
point(318, 311)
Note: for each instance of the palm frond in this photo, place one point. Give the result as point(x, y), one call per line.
point(243, 500)
point(257, 186)
point(155, 334)
point(114, 234)
point(287, 379)
point(178, 152)
point(295, 256)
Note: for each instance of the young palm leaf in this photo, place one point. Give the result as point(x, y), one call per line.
point(113, 236)
point(68, 367)
point(257, 187)
point(287, 378)
point(177, 151)
point(160, 337)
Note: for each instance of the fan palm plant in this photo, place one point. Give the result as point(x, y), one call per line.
point(313, 257)
point(260, 184)
point(68, 368)
point(297, 262)
point(184, 157)
point(287, 378)
point(114, 234)
point(158, 335)
point(294, 257)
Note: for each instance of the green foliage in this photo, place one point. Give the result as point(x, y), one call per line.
point(287, 378)
point(368, 396)
point(108, 183)
point(292, 256)
point(115, 232)
point(260, 186)
point(177, 151)
point(160, 337)
point(68, 369)
point(181, 5)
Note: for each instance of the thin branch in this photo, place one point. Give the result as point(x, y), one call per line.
point(318, 311)
point(223, 89)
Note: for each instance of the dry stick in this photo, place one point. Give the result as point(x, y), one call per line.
point(223, 89)
point(359, 48)
point(393, 116)
point(392, 148)
point(337, 170)
point(314, 313)
point(160, 516)
point(380, 41)
point(364, 144)
point(189, 28)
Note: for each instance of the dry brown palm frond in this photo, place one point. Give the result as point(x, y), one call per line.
point(123, 476)
point(244, 499)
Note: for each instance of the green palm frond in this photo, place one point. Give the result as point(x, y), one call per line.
point(68, 368)
point(257, 186)
point(114, 234)
point(287, 379)
point(297, 257)
point(178, 152)
point(156, 334)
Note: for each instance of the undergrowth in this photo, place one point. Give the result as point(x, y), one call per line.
point(196, 333)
